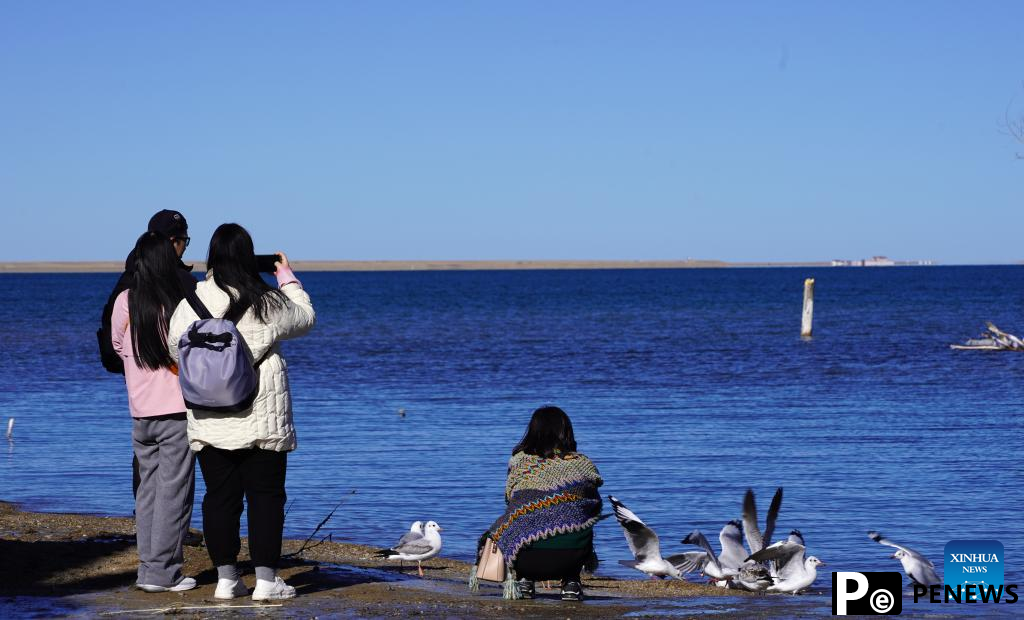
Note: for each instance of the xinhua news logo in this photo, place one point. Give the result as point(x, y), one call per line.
point(867, 594)
point(973, 574)
point(977, 563)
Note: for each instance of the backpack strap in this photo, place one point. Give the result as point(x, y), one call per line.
point(197, 305)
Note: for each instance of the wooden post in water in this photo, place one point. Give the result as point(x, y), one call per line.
point(805, 324)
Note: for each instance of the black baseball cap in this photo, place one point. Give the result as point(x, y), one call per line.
point(169, 223)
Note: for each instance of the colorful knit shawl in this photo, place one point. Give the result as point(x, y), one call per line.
point(546, 497)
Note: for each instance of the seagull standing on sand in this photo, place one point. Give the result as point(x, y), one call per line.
point(415, 547)
point(919, 568)
point(794, 573)
point(643, 542)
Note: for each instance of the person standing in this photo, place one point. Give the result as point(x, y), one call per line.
point(245, 454)
point(172, 225)
point(163, 501)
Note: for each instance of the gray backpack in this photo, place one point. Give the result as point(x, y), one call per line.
point(214, 368)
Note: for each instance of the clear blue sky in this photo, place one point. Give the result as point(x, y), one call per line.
point(539, 130)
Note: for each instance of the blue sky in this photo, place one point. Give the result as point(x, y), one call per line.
point(737, 131)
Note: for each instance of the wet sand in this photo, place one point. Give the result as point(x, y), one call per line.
point(79, 565)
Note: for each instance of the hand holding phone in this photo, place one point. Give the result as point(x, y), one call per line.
point(267, 263)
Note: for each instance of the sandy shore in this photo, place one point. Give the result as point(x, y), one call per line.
point(384, 265)
point(55, 565)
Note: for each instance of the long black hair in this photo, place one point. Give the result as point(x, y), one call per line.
point(152, 298)
point(232, 260)
point(549, 432)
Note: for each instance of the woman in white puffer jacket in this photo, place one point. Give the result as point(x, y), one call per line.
point(245, 453)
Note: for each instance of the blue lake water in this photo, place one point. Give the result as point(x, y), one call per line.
point(684, 386)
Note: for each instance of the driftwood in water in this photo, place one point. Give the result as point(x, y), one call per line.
point(993, 339)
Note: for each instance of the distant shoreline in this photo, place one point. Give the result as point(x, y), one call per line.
point(421, 265)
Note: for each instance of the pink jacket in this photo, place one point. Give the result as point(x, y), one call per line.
point(150, 392)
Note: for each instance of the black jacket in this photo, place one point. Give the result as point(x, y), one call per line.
point(111, 360)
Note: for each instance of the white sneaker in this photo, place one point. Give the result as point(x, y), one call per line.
point(229, 589)
point(272, 590)
point(186, 583)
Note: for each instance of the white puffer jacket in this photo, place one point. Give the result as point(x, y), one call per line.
point(268, 424)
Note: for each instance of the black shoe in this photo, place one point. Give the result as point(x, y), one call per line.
point(526, 588)
point(572, 591)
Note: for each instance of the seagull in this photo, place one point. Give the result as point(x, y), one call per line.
point(643, 542)
point(416, 548)
point(415, 533)
point(919, 568)
point(715, 567)
point(794, 573)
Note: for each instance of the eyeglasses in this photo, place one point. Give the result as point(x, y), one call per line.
point(187, 240)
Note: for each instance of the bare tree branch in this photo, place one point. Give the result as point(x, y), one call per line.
point(320, 525)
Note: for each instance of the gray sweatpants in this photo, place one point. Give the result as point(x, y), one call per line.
point(163, 503)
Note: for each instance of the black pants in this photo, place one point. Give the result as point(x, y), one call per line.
point(547, 564)
point(259, 476)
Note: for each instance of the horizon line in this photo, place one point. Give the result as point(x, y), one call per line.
point(478, 265)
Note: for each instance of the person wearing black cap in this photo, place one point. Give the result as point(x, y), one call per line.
point(172, 225)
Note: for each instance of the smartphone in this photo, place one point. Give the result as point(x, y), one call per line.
point(265, 262)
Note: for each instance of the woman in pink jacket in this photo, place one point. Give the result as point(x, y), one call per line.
point(163, 503)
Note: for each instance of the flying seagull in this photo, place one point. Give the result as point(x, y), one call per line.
point(919, 568)
point(413, 548)
point(643, 542)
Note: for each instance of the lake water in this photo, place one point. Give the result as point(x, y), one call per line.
point(684, 386)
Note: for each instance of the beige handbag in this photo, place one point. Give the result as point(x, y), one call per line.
point(491, 565)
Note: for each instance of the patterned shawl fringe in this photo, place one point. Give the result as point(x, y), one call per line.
point(510, 587)
point(511, 590)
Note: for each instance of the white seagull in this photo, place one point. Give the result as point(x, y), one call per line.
point(643, 542)
point(794, 573)
point(413, 547)
point(919, 568)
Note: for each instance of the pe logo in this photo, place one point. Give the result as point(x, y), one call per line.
point(971, 567)
point(867, 594)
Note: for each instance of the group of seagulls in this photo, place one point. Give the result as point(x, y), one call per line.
point(762, 566)
point(779, 567)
